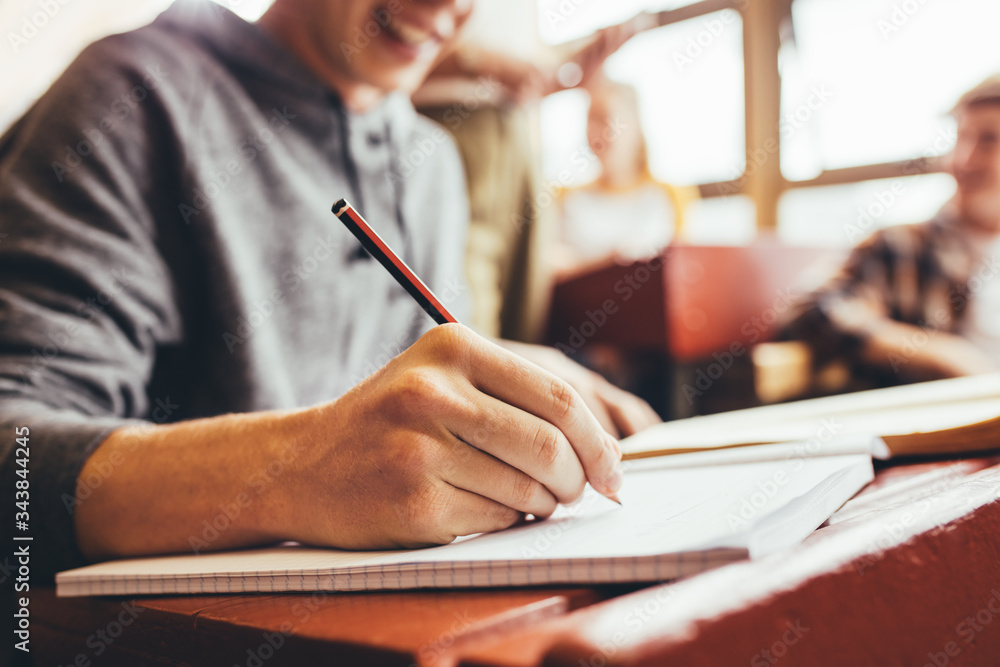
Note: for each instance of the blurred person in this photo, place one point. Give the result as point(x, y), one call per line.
point(625, 214)
point(181, 315)
point(922, 301)
point(486, 95)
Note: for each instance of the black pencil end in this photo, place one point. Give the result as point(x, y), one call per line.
point(339, 206)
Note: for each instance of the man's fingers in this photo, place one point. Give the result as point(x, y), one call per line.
point(529, 444)
point(468, 514)
point(602, 411)
point(480, 473)
point(514, 380)
point(630, 413)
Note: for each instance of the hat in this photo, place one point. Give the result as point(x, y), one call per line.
point(987, 92)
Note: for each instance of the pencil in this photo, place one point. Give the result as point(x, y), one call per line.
point(374, 244)
point(381, 251)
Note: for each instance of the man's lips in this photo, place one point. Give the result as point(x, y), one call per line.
point(414, 34)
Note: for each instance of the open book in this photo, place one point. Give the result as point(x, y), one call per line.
point(678, 517)
point(942, 417)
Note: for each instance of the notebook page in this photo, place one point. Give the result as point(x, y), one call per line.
point(663, 511)
point(666, 512)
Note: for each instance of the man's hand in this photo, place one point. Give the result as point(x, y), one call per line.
point(454, 436)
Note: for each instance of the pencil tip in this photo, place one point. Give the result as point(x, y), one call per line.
point(613, 497)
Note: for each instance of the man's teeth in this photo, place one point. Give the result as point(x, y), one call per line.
point(410, 34)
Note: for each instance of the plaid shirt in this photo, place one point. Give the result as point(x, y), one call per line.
point(919, 274)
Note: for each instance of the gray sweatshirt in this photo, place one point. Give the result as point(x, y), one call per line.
point(167, 249)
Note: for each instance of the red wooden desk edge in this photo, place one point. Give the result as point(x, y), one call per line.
point(879, 588)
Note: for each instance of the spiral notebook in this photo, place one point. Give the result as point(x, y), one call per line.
point(679, 515)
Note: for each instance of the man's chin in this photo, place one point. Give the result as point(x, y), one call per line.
point(982, 211)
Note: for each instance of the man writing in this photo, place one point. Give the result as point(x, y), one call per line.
point(184, 324)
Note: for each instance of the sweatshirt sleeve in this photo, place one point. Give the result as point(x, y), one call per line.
point(85, 295)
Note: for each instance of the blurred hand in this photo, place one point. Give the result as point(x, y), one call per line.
point(608, 41)
point(619, 412)
point(523, 81)
point(919, 355)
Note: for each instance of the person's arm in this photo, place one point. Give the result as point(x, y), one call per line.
point(526, 81)
point(850, 316)
point(918, 354)
point(454, 436)
point(85, 295)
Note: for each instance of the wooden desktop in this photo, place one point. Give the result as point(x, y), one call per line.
point(906, 573)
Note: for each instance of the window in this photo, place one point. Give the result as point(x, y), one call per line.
point(871, 81)
point(564, 20)
point(843, 215)
point(855, 90)
point(689, 77)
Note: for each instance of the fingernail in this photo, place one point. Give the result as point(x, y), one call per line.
point(613, 482)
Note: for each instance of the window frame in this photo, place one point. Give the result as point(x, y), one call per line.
point(764, 183)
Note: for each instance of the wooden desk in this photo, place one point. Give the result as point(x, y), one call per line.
point(907, 573)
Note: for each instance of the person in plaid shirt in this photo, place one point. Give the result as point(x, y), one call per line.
point(921, 301)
